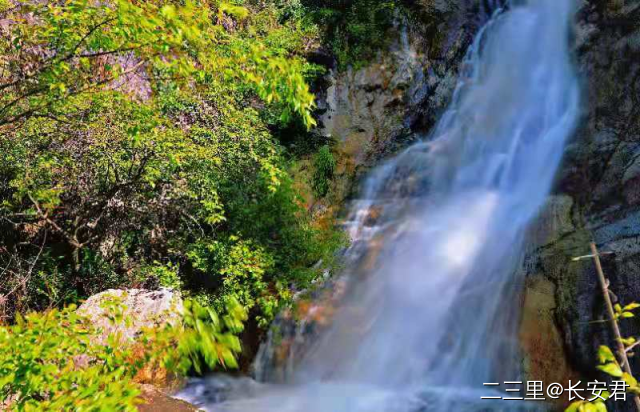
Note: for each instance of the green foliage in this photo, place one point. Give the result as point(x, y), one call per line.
point(625, 312)
point(125, 187)
point(111, 180)
point(203, 340)
point(57, 360)
point(585, 406)
point(237, 12)
point(609, 364)
point(48, 362)
point(325, 166)
point(354, 29)
point(137, 148)
point(53, 51)
point(242, 267)
point(167, 275)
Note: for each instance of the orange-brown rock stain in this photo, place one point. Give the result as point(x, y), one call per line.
point(545, 358)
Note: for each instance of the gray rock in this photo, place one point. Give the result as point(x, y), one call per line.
point(143, 308)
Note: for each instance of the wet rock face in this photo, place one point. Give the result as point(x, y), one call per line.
point(598, 192)
point(374, 111)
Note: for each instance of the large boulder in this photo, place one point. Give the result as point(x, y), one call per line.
point(143, 308)
point(140, 309)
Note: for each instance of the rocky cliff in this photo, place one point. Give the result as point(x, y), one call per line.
point(380, 108)
point(597, 198)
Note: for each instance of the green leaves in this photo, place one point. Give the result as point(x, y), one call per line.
point(605, 354)
point(608, 362)
point(584, 406)
point(136, 143)
point(629, 379)
point(202, 341)
point(612, 369)
point(325, 165)
point(625, 312)
point(628, 341)
point(241, 268)
point(354, 29)
point(237, 12)
point(79, 47)
point(609, 365)
point(48, 362)
point(54, 360)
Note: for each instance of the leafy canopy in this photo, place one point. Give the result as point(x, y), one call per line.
point(53, 50)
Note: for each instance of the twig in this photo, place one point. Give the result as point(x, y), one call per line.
point(632, 346)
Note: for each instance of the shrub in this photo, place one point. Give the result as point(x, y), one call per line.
point(325, 166)
point(353, 29)
point(42, 366)
point(56, 360)
point(140, 150)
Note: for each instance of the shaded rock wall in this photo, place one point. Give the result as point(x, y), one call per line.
point(597, 198)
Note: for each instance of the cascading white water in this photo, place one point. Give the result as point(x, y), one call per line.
point(435, 316)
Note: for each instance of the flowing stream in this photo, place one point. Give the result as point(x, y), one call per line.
point(429, 310)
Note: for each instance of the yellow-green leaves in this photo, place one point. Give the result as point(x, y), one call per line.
point(584, 406)
point(631, 381)
point(612, 369)
point(605, 355)
point(625, 312)
point(608, 362)
point(54, 361)
point(237, 12)
point(628, 341)
point(49, 362)
point(5, 5)
point(280, 80)
point(139, 136)
point(80, 47)
point(202, 341)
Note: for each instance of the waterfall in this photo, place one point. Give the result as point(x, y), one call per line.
point(433, 314)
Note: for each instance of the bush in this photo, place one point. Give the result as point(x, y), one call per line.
point(110, 188)
point(57, 360)
point(325, 166)
point(353, 29)
point(41, 366)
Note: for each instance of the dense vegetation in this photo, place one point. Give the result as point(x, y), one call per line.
point(353, 29)
point(57, 360)
point(148, 144)
point(136, 149)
